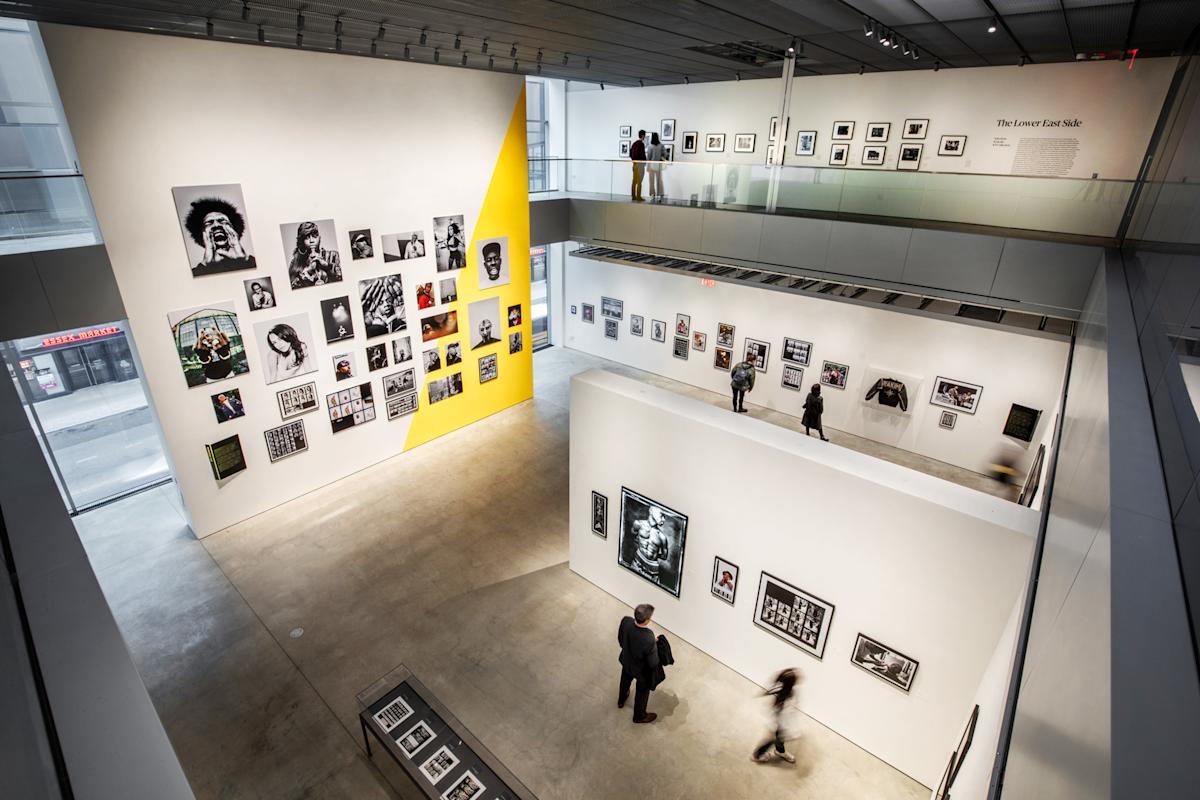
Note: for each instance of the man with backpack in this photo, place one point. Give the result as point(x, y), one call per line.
point(742, 381)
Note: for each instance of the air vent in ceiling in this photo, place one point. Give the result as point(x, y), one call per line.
point(749, 54)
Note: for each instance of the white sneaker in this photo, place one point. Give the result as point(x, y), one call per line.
point(788, 757)
point(763, 759)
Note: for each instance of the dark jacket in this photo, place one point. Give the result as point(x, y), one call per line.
point(639, 652)
point(637, 150)
point(748, 366)
point(665, 659)
point(814, 407)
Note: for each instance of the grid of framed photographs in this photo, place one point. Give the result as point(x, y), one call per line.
point(793, 378)
point(680, 348)
point(796, 351)
point(757, 353)
point(799, 618)
point(286, 440)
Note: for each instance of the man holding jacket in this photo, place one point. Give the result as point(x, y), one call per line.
point(639, 661)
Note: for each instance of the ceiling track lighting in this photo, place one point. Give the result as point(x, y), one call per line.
point(907, 48)
point(937, 65)
point(337, 27)
point(299, 39)
point(208, 27)
point(602, 86)
point(513, 52)
point(516, 65)
point(457, 42)
point(245, 11)
point(587, 64)
point(483, 47)
point(374, 47)
point(464, 59)
point(424, 37)
point(868, 27)
point(566, 58)
point(539, 69)
point(299, 22)
point(1022, 62)
point(406, 55)
point(895, 42)
point(262, 35)
point(737, 76)
point(382, 32)
point(915, 54)
point(991, 28)
point(884, 38)
point(641, 83)
point(862, 68)
point(792, 47)
point(539, 55)
point(437, 55)
point(686, 79)
point(491, 62)
point(337, 44)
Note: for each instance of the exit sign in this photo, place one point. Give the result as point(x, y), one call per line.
point(707, 282)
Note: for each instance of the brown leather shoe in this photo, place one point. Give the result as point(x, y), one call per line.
point(650, 717)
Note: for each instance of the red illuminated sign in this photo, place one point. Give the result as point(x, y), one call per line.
point(707, 282)
point(82, 336)
point(537, 251)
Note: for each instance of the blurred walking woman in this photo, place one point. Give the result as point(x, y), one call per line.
point(654, 154)
point(783, 713)
point(814, 407)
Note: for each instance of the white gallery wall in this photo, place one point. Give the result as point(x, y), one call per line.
point(874, 342)
point(923, 566)
point(308, 136)
point(1071, 119)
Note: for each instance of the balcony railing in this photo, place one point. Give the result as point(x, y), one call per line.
point(40, 212)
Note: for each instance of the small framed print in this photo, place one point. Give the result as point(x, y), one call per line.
point(667, 130)
point(842, 131)
point(487, 368)
point(625, 132)
point(574, 309)
point(439, 764)
point(1022, 422)
point(589, 313)
point(793, 378)
point(722, 359)
point(668, 152)
point(699, 341)
point(658, 330)
point(415, 738)
point(228, 405)
point(910, 156)
point(610, 329)
point(623, 148)
point(683, 324)
point(636, 324)
point(956, 395)
point(680, 348)
point(915, 129)
point(744, 142)
point(599, 515)
point(952, 145)
point(756, 353)
point(947, 420)
point(884, 662)
point(774, 129)
point(714, 143)
point(878, 131)
point(401, 406)
point(297, 400)
point(690, 141)
point(770, 153)
point(839, 155)
point(465, 787)
point(725, 334)
point(796, 351)
point(286, 440)
point(834, 374)
point(872, 155)
point(806, 143)
point(391, 715)
point(724, 580)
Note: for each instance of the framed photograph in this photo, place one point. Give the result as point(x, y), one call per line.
point(806, 143)
point(436, 326)
point(884, 662)
point(599, 515)
point(652, 539)
point(910, 156)
point(335, 314)
point(514, 342)
point(623, 148)
point(725, 333)
point(401, 350)
point(297, 400)
point(796, 351)
point(382, 301)
point(613, 309)
point(690, 141)
point(286, 440)
point(842, 131)
point(793, 378)
point(226, 457)
point(453, 353)
point(915, 129)
point(872, 155)
point(1021, 423)
point(756, 352)
point(658, 330)
point(493, 263)
point(589, 313)
point(770, 153)
point(957, 395)
point(448, 290)
point(964, 744)
point(724, 579)
point(402, 246)
point(449, 243)
point(227, 405)
point(399, 383)
point(216, 236)
point(350, 407)
point(699, 341)
point(438, 765)
point(834, 374)
point(947, 420)
point(573, 309)
point(514, 316)
point(431, 360)
point(666, 130)
point(722, 359)
point(415, 738)
point(488, 369)
point(260, 293)
point(839, 155)
point(390, 716)
point(668, 152)
point(799, 618)
point(774, 129)
point(208, 341)
point(744, 142)
point(377, 357)
point(445, 388)
point(636, 324)
point(344, 367)
point(360, 245)
point(625, 132)
point(952, 145)
point(310, 249)
point(680, 348)
point(610, 329)
point(401, 406)
point(683, 324)
point(484, 318)
point(466, 787)
point(714, 143)
point(878, 131)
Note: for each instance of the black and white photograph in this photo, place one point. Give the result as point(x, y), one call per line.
point(668, 152)
point(623, 148)
point(680, 348)
point(484, 319)
point(444, 388)
point(792, 614)
point(589, 313)
point(958, 395)
point(666, 130)
point(744, 142)
point(297, 400)
point(286, 347)
point(952, 145)
point(377, 357)
point(724, 579)
point(658, 330)
point(215, 231)
point(208, 341)
point(625, 132)
point(839, 155)
point(714, 143)
point(344, 367)
point(652, 539)
point(448, 290)
point(773, 129)
point(227, 405)
point(806, 143)
point(514, 316)
point(612, 308)
point(515, 342)
point(390, 716)
point(350, 407)
point(725, 333)
point(947, 420)
point(435, 326)
point(466, 787)
point(449, 243)
point(599, 515)
point(403, 246)
point(915, 128)
point(770, 159)
point(842, 131)
point(383, 305)
point(431, 360)
point(910, 156)
point(757, 353)
point(416, 737)
point(834, 374)
point(439, 764)
point(796, 351)
point(286, 440)
point(226, 457)
point(884, 662)
point(683, 324)
point(402, 349)
point(878, 131)
point(453, 353)
point(493, 263)
point(636, 324)
point(260, 293)
point(488, 369)
point(793, 378)
point(401, 406)
point(610, 328)
point(690, 141)
point(361, 245)
point(335, 315)
point(872, 155)
point(699, 341)
point(722, 359)
point(399, 383)
point(310, 249)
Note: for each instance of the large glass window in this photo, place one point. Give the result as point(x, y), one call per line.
point(536, 126)
point(539, 296)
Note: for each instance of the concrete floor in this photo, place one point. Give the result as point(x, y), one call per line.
point(435, 561)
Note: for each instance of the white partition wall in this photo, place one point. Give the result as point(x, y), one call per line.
point(925, 567)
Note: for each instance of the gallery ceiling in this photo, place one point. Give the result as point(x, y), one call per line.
point(627, 42)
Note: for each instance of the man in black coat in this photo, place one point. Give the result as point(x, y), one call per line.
point(639, 660)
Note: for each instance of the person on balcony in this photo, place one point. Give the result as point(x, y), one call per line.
point(637, 154)
point(654, 155)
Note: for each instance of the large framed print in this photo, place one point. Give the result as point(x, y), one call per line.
point(599, 515)
point(208, 341)
point(796, 351)
point(834, 374)
point(382, 301)
point(958, 395)
point(485, 321)
point(297, 400)
point(797, 617)
point(757, 353)
point(724, 579)
point(286, 440)
point(725, 334)
point(612, 308)
point(680, 348)
point(350, 407)
point(401, 406)
point(493, 263)
point(652, 540)
point(216, 235)
point(884, 662)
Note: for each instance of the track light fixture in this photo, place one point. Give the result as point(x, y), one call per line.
point(262, 35)
point(437, 55)
point(916, 54)
point(539, 69)
point(299, 39)
point(862, 68)
point(895, 42)
point(587, 64)
point(516, 65)
point(602, 86)
point(382, 32)
point(337, 27)
point(641, 83)
point(937, 65)
point(483, 47)
point(686, 79)
point(406, 55)
point(337, 44)
point(299, 22)
point(883, 38)
point(513, 53)
point(424, 38)
point(868, 27)
point(208, 27)
point(464, 59)
point(245, 11)
point(491, 62)
point(374, 47)
point(991, 28)
point(539, 55)
point(1021, 63)
point(737, 76)
point(566, 58)
point(457, 42)
point(792, 47)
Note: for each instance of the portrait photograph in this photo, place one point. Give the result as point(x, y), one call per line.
point(377, 357)
point(335, 314)
point(515, 342)
point(297, 400)
point(744, 142)
point(450, 243)
point(757, 353)
point(910, 156)
point(958, 395)
point(612, 308)
point(260, 293)
point(436, 326)
point(403, 246)
point(488, 369)
point(493, 262)
point(722, 359)
point(725, 334)
point(839, 155)
point(699, 341)
point(402, 405)
point(834, 374)
point(658, 330)
point(797, 351)
point(382, 302)
point(714, 143)
point(666, 130)
point(636, 324)
point(842, 131)
point(610, 328)
point(793, 378)
point(690, 140)
point(652, 539)
point(806, 143)
point(625, 132)
point(453, 353)
point(668, 152)
point(680, 348)
point(483, 316)
point(514, 315)
point(286, 440)
point(589, 313)
point(310, 250)
point(425, 297)
point(724, 579)
point(350, 407)
point(683, 324)
point(227, 405)
point(448, 289)
point(343, 366)
point(216, 235)
point(883, 662)
point(402, 349)
point(799, 618)
point(431, 360)
point(361, 245)
point(599, 515)
point(915, 129)
point(208, 341)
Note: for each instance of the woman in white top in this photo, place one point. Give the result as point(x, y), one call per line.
point(287, 354)
point(654, 154)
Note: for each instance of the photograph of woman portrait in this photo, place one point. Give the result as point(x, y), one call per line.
point(286, 347)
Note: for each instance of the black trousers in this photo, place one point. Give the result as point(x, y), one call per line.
point(739, 397)
point(641, 695)
point(765, 746)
